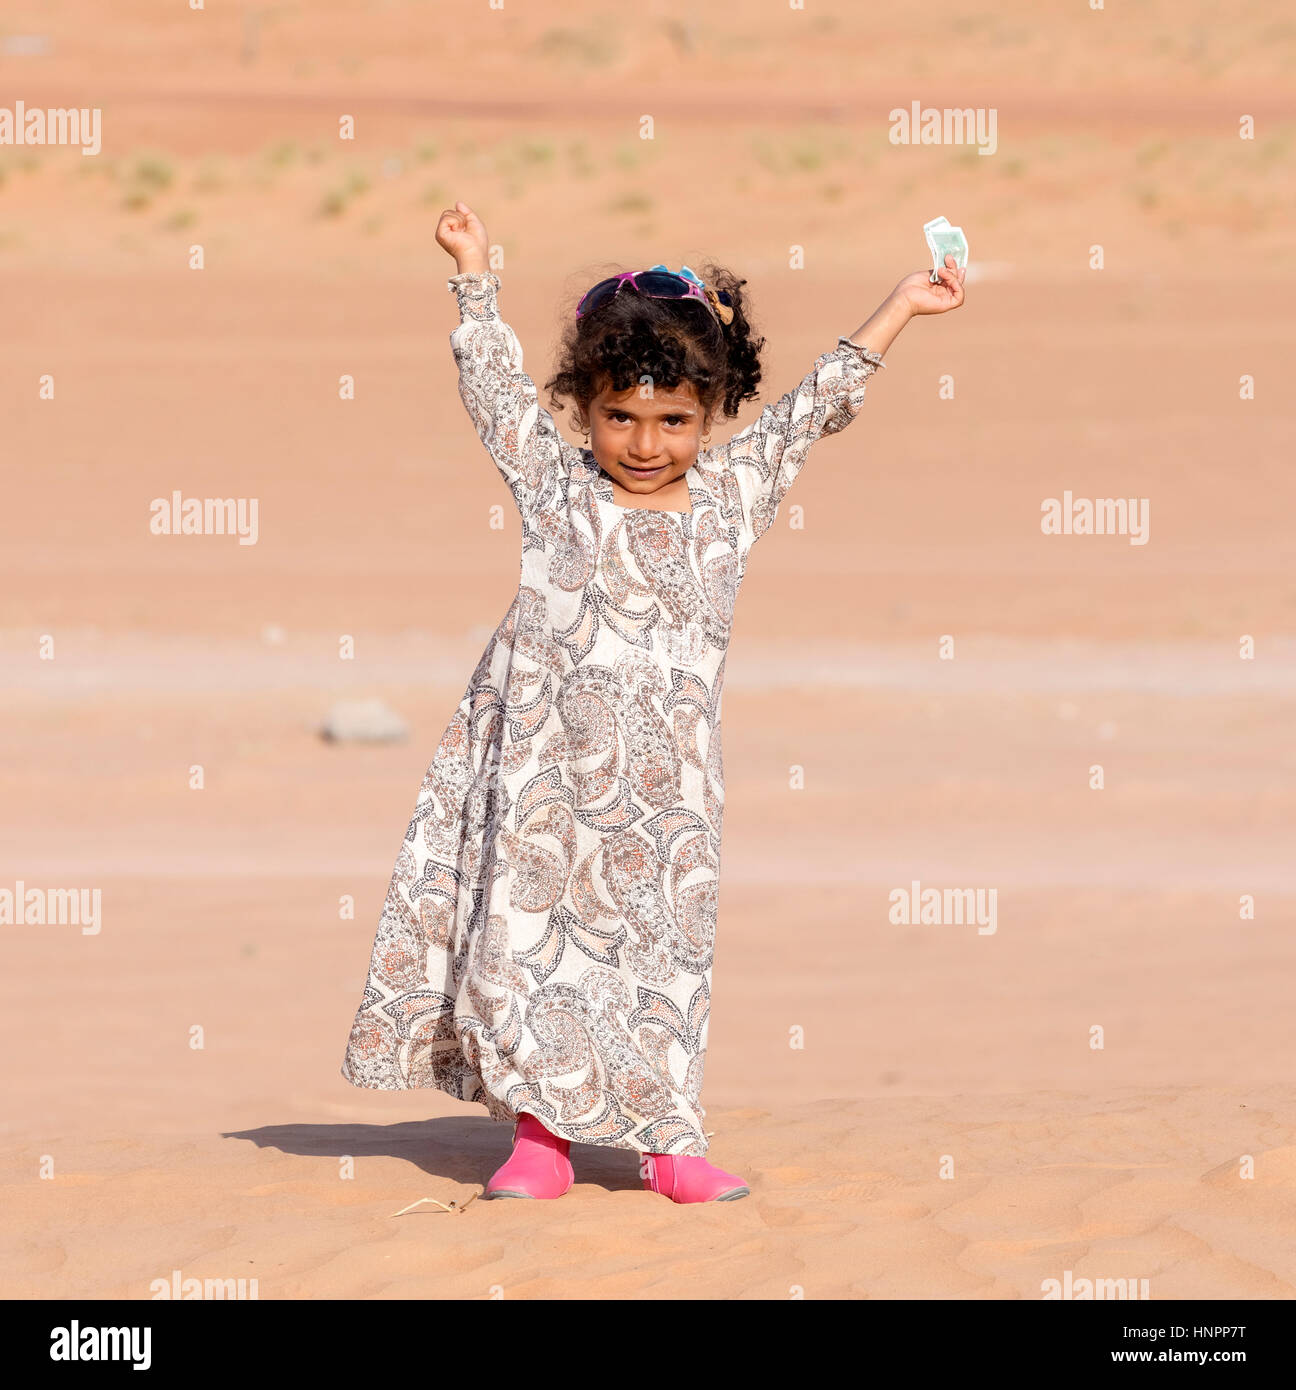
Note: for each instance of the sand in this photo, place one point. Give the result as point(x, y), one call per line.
point(924, 1113)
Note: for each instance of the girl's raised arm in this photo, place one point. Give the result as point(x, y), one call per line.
point(764, 459)
point(500, 397)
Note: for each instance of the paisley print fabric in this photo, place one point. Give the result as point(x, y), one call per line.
point(547, 937)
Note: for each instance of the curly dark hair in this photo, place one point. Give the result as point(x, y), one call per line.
point(669, 340)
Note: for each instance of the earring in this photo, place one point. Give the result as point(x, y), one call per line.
point(706, 439)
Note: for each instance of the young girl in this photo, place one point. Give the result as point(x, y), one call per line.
point(547, 938)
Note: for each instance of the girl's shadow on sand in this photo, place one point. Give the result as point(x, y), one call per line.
point(459, 1150)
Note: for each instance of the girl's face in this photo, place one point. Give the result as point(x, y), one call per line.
point(647, 443)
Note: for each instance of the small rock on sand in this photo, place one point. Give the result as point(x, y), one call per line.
point(363, 721)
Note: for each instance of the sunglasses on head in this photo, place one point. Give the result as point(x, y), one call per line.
point(655, 284)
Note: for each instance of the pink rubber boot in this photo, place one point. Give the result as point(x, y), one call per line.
point(690, 1178)
point(538, 1165)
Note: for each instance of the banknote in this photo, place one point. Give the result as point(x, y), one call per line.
point(944, 240)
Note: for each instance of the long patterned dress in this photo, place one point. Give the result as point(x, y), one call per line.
point(547, 937)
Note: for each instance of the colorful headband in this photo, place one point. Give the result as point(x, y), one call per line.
point(719, 300)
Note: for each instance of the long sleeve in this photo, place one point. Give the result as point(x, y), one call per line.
point(500, 397)
point(765, 458)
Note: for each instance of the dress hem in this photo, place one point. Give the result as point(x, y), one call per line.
point(505, 1114)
